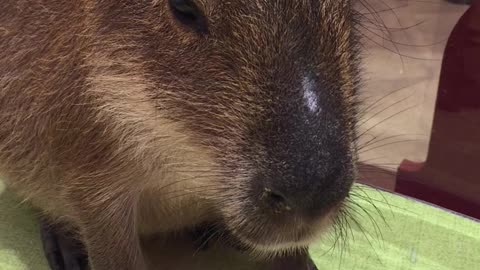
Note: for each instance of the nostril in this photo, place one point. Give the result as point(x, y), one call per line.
point(277, 197)
point(276, 200)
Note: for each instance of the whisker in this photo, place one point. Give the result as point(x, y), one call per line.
point(383, 110)
point(373, 105)
point(402, 43)
point(375, 141)
point(384, 120)
point(386, 144)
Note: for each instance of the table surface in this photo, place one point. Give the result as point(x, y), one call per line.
point(404, 234)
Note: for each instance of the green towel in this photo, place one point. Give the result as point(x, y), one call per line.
point(20, 247)
point(411, 235)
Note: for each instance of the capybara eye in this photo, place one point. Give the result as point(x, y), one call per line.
point(188, 13)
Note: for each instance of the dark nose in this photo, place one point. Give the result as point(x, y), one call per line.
point(275, 200)
point(299, 191)
point(308, 165)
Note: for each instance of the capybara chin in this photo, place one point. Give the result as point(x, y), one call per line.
point(121, 119)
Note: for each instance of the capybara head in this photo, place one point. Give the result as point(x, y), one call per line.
point(269, 88)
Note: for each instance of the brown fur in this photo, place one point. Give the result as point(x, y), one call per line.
point(101, 131)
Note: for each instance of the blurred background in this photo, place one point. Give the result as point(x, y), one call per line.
point(420, 126)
